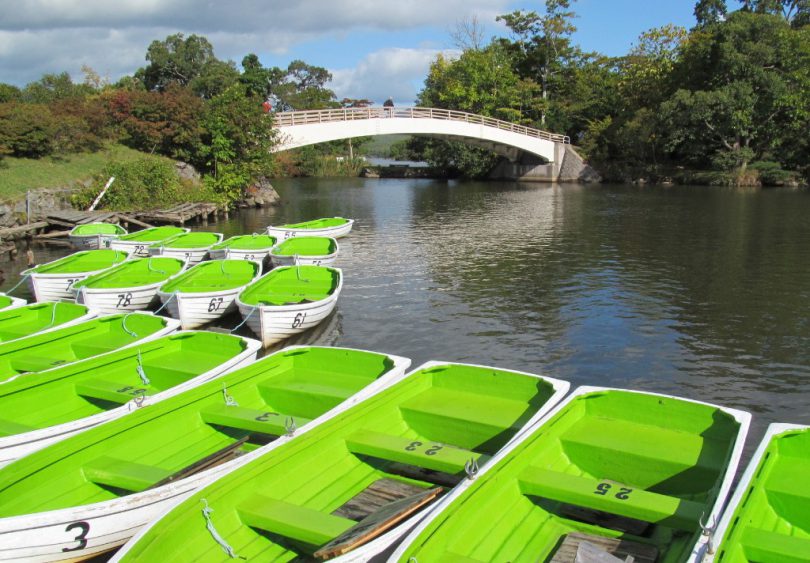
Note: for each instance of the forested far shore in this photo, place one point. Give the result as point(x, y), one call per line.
point(726, 102)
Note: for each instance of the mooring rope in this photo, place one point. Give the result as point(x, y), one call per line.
point(209, 524)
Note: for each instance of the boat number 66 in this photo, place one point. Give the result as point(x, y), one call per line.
point(604, 488)
point(81, 537)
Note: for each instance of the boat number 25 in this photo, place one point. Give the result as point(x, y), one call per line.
point(83, 529)
point(124, 299)
point(215, 304)
point(299, 320)
point(432, 450)
point(604, 488)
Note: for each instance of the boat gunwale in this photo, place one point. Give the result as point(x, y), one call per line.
point(30, 272)
point(331, 256)
point(59, 517)
point(122, 240)
point(134, 259)
point(333, 295)
point(242, 359)
point(256, 275)
point(742, 417)
point(773, 430)
point(161, 245)
point(224, 246)
point(87, 316)
point(271, 230)
point(72, 232)
point(15, 302)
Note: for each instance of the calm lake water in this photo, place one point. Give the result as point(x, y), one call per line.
point(698, 292)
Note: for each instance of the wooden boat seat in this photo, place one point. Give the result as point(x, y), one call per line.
point(421, 453)
point(763, 545)
point(112, 391)
point(292, 521)
point(252, 420)
point(612, 497)
point(11, 428)
point(123, 474)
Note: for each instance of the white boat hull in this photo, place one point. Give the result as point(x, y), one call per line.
point(274, 323)
point(334, 232)
point(55, 287)
point(119, 299)
point(231, 254)
point(197, 309)
point(81, 532)
point(190, 255)
point(19, 445)
point(134, 247)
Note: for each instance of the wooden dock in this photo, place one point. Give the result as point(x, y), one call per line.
point(180, 214)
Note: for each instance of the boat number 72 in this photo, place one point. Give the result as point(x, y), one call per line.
point(71, 281)
point(81, 537)
point(604, 488)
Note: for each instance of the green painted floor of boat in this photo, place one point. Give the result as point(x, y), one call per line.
point(24, 321)
point(154, 234)
point(133, 453)
point(98, 229)
point(650, 458)
point(84, 261)
point(134, 273)
point(99, 384)
point(5, 301)
point(772, 524)
point(214, 275)
point(280, 507)
point(306, 246)
point(190, 240)
point(324, 223)
point(292, 284)
point(39, 352)
point(247, 242)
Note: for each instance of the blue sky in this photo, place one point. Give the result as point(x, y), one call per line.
point(374, 49)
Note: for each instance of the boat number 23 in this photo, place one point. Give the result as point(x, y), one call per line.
point(82, 528)
point(432, 450)
point(604, 488)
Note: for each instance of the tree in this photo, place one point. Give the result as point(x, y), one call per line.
point(9, 93)
point(796, 12)
point(648, 66)
point(300, 87)
point(708, 12)
point(256, 78)
point(26, 130)
point(52, 87)
point(179, 61)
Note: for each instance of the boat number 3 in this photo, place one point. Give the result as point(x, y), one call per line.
point(81, 537)
point(265, 416)
point(604, 488)
point(432, 450)
point(215, 304)
point(124, 299)
point(299, 320)
point(71, 281)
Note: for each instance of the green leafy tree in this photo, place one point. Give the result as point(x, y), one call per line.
point(708, 12)
point(301, 87)
point(26, 130)
point(52, 87)
point(9, 93)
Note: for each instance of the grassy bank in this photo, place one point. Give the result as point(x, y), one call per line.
point(17, 175)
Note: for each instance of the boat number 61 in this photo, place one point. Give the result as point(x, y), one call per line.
point(299, 320)
point(604, 488)
point(81, 537)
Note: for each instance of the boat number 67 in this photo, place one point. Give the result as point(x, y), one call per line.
point(215, 304)
point(81, 537)
point(604, 488)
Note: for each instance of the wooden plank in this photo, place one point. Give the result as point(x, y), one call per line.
point(52, 234)
point(217, 458)
point(134, 221)
point(604, 519)
point(377, 495)
point(22, 229)
point(61, 223)
point(426, 475)
point(618, 547)
point(377, 523)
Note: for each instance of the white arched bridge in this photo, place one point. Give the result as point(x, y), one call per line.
point(300, 128)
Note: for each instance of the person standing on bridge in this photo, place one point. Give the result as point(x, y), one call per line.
point(389, 106)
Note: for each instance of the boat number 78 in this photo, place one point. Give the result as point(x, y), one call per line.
point(81, 537)
point(604, 488)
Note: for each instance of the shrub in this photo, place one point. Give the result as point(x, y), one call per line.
point(26, 130)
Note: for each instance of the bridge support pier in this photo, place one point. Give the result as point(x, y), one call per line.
point(568, 166)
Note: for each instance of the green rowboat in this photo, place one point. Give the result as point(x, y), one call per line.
point(205, 292)
point(9, 302)
point(30, 319)
point(244, 247)
point(768, 518)
point(129, 286)
point(191, 247)
point(54, 281)
point(312, 251)
point(89, 493)
point(356, 476)
point(95, 235)
point(43, 408)
point(608, 470)
point(46, 350)
point(138, 243)
point(289, 300)
point(334, 227)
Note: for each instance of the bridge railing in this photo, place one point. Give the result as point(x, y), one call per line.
point(289, 118)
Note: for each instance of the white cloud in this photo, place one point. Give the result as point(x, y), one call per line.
point(51, 36)
point(395, 72)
